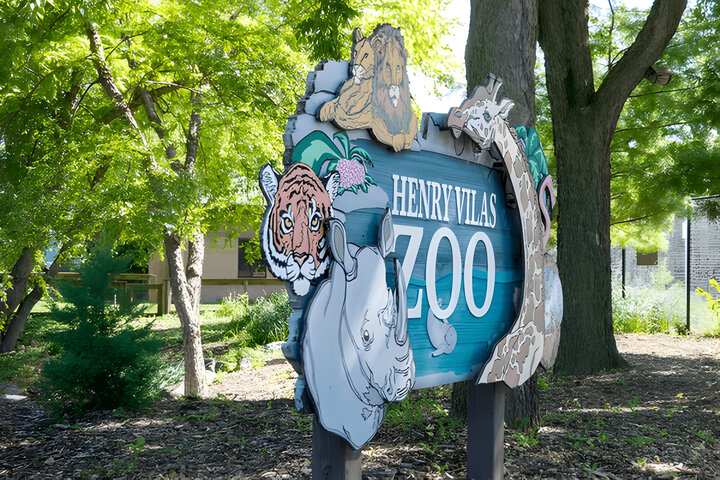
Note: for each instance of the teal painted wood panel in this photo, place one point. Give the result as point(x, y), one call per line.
point(475, 336)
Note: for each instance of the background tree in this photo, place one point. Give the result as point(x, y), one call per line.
point(62, 162)
point(665, 148)
point(150, 120)
point(584, 120)
point(502, 40)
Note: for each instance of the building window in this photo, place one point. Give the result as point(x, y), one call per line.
point(647, 258)
point(245, 270)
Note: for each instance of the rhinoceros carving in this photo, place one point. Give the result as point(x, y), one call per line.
point(356, 351)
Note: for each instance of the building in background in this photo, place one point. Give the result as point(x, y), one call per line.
point(225, 271)
point(641, 269)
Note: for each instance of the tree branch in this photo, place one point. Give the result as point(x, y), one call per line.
point(176, 85)
point(107, 81)
point(192, 141)
point(630, 220)
point(30, 94)
point(152, 114)
point(136, 101)
point(649, 127)
point(649, 44)
point(663, 91)
point(76, 106)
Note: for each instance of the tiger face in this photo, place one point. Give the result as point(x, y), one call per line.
point(293, 232)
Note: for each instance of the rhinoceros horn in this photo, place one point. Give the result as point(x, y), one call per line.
point(401, 330)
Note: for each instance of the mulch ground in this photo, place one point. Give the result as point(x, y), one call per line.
point(661, 419)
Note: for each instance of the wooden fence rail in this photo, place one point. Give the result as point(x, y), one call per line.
point(148, 282)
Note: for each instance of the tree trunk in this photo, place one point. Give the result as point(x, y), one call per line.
point(18, 320)
point(19, 317)
point(20, 274)
point(185, 284)
point(587, 342)
point(502, 40)
point(584, 121)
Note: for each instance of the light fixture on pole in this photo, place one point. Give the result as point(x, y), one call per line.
point(658, 75)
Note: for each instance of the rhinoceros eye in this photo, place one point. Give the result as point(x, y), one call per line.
point(366, 334)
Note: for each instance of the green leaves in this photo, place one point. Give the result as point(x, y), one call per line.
point(665, 146)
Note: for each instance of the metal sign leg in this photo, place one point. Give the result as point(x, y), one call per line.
point(485, 418)
point(332, 457)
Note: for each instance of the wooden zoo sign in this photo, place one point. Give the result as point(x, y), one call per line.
point(414, 255)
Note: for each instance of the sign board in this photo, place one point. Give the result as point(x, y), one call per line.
point(414, 254)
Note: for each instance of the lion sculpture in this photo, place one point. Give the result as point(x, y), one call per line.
point(377, 95)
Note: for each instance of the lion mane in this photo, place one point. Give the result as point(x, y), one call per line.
point(394, 122)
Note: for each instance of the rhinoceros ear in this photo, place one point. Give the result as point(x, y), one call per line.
point(386, 234)
point(338, 245)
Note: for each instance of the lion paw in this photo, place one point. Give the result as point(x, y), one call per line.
point(327, 111)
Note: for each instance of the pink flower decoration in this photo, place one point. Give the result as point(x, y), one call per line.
point(351, 172)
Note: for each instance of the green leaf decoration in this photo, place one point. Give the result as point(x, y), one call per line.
point(315, 149)
point(345, 141)
point(357, 152)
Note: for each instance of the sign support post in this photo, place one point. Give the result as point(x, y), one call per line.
point(485, 431)
point(332, 457)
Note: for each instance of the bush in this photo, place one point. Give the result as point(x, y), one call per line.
point(232, 306)
point(104, 363)
point(713, 305)
point(262, 322)
point(646, 310)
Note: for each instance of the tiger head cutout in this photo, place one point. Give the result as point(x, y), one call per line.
point(292, 234)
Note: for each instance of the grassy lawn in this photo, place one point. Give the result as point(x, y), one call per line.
point(22, 367)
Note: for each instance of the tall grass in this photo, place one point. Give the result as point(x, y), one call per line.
point(262, 322)
point(661, 308)
point(649, 310)
point(658, 308)
point(713, 306)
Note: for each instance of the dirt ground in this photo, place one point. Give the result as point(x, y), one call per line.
point(660, 419)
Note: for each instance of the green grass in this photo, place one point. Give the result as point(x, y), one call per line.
point(660, 310)
point(22, 367)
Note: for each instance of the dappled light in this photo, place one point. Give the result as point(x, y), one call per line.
point(658, 418)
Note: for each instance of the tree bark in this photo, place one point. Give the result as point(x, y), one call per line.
point(20, 274)
point(185, 280)
point(185, 284)
point(583, 124)
point(20, 313)
point(502, 40)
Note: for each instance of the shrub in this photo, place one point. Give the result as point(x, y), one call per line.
point(713, 305)
point(104, 363)
point(645, 310)
point(232, 306)
point(264, 321)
